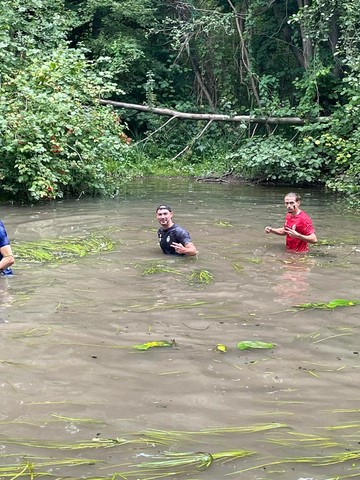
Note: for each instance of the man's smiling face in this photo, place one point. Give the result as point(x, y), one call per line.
point(164, 217)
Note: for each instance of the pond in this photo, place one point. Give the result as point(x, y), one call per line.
point(79, 401)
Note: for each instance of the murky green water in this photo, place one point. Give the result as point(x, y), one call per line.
point(69, 374)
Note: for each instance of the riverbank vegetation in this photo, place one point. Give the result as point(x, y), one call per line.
point(92, 93)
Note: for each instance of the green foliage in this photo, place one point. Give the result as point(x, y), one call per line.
point(256, 57)
point(55, 137)
point(275, 159)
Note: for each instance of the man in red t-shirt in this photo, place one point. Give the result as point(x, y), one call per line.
point(298, 226)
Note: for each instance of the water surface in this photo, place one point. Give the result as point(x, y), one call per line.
point(69, 374)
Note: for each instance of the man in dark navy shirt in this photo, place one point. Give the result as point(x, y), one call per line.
point(173, 239)
point(6, 256)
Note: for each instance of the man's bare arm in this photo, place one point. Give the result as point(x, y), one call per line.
point(187, 249)
point(8, 258)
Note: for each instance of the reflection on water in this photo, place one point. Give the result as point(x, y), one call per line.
point(294, 281)
point(69, 372)
point(6, 297)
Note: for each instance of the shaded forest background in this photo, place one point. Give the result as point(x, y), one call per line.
point(283, 75)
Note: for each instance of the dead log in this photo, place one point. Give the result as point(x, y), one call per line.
point(216, 117)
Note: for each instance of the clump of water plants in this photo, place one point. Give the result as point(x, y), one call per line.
point(197, 276)
point(61, 249)
point(330, 305)
point(200, 276)
point(156, 269)
point(170, 461)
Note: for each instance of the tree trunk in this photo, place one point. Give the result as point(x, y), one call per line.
point(214, 117)
point(307, 41)
point(282, 21)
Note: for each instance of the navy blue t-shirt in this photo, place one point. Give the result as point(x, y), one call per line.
point(4, 241)
point(175, 234)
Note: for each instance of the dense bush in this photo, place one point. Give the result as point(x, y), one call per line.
point(55, 138)
point(276, 159)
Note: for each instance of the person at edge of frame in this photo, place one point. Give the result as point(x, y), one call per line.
point(298, 226)
point(173, 239)
point(6, 255)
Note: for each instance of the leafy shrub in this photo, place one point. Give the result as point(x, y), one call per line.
point(275, 159)
point(55, 137)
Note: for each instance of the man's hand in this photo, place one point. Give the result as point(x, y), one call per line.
point(293, 233)
point(189, 249)
point(179, 247)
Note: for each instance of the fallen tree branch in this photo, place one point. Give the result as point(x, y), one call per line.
point(212, 116)
point(193, 141)
point(155, 131)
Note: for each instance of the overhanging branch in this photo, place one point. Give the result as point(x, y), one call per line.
point(212, 116)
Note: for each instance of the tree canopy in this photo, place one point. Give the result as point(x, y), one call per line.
point(65, 65)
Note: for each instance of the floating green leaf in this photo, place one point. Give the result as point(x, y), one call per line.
point(247, 344)
point(330, 305)
point(238, 267)
point(146, 346)
point(221, 348)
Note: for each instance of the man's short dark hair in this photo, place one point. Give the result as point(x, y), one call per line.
point(163, 207)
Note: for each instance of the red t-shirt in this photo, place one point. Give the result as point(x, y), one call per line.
point(300, 223)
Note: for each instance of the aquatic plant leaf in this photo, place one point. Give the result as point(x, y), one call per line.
point(221, 348)
point(330, 305)
point(238, 267)
point(156, 269)
point(224, 223)
point(200, 460)
point(342, 303)
point(146, 346)
point(201, 276)
point(248, 344)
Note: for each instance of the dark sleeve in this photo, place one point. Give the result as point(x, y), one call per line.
point(182, 236)
point(3, 236)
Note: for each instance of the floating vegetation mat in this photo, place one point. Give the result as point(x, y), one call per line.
point(61, 249)
point(157, 454)
point(196, 276)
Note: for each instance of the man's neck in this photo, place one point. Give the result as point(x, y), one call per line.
point(293, 214)
point(169, 225)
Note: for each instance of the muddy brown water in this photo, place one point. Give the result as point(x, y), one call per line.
point(68, 373)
